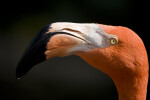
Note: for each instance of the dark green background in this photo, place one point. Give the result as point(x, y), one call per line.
point(68, 78)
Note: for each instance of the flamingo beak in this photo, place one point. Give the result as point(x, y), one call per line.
point(61, 39)
point(39, 48)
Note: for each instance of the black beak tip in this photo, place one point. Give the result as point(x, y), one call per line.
point(34, 54)
point(20, 71)
point(19, 75)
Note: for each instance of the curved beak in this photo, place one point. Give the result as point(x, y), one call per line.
point(39, 48)
point(61, 39)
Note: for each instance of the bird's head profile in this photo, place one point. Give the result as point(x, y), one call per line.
point(117, 51)
point(103, 45)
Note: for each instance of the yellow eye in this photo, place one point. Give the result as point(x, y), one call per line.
point(113, 41)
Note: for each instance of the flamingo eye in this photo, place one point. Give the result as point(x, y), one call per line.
point(113, 41)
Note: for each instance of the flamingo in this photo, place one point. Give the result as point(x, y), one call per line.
point(115, 50)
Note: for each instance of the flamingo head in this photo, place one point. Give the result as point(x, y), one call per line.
point(115, 50)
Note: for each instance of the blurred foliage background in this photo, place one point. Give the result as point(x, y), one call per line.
point(69, 78)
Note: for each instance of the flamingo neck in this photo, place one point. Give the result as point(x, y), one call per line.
point(133, 88)
point(129, 86)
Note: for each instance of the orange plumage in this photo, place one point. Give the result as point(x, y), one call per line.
point(115, 50)
point(126, 63)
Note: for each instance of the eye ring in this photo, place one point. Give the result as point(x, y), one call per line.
point(113, 41)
